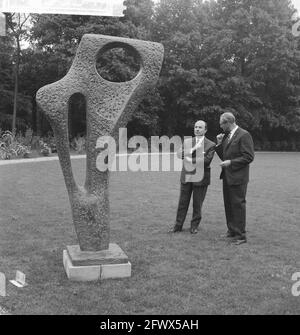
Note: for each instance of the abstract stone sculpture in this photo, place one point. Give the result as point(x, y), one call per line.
point(109, 106)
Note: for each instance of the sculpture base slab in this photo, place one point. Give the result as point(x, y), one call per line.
point(104, 265)
point(113, 255)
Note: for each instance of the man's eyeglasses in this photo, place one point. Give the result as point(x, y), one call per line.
point(223, 122)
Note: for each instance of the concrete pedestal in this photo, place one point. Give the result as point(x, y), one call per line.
point(89, 265)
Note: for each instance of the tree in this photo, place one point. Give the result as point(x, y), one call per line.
point(229, 55)
point(16, 22)
point(38, 68)
point(181, 27)
point(264, 56)
point(7, 90)
point(222, 55)
point(6, 80)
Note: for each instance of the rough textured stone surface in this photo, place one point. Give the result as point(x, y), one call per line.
point(109, 106)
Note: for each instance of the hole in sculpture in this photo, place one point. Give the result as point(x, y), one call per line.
point(118, 62)
point(77, 123)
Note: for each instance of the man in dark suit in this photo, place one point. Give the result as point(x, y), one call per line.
point(197, 154)
point(235, 149)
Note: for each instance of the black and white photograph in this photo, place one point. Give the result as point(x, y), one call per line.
point(149, 160)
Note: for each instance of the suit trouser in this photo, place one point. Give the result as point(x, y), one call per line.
point(235, 208)
point(186, 191)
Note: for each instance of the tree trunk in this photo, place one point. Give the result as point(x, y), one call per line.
point(16, 87)
point(38, 121)
point(34, 115)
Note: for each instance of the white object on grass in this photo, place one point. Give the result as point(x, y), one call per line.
point(20, 280)
point(2, 285)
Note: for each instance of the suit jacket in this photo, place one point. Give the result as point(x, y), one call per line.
point(240, 151)
point(208, 147)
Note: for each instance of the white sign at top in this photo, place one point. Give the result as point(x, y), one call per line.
point(75, 7)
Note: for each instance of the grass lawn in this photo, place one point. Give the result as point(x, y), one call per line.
point(171, 273)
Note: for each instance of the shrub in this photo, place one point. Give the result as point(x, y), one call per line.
point(45, 150)
point(51, 143)
point(10, 146)
point(78, 144)
point(35, 143)
point(27, 139)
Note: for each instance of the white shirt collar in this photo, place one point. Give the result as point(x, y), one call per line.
point(199, 139)
point(233, 131)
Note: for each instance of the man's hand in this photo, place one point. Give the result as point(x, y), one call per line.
point(225, 164)
point(220, 138)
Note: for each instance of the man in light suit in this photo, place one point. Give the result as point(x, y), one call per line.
point(235, 149)
point(197, 154)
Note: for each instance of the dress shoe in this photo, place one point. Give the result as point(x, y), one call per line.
point(239, 241)
point(194, 230)
point(175, 229)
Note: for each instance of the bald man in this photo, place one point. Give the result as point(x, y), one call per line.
point(197, 154)
point(235, 149)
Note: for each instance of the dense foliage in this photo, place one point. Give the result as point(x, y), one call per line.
point(224, 55)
